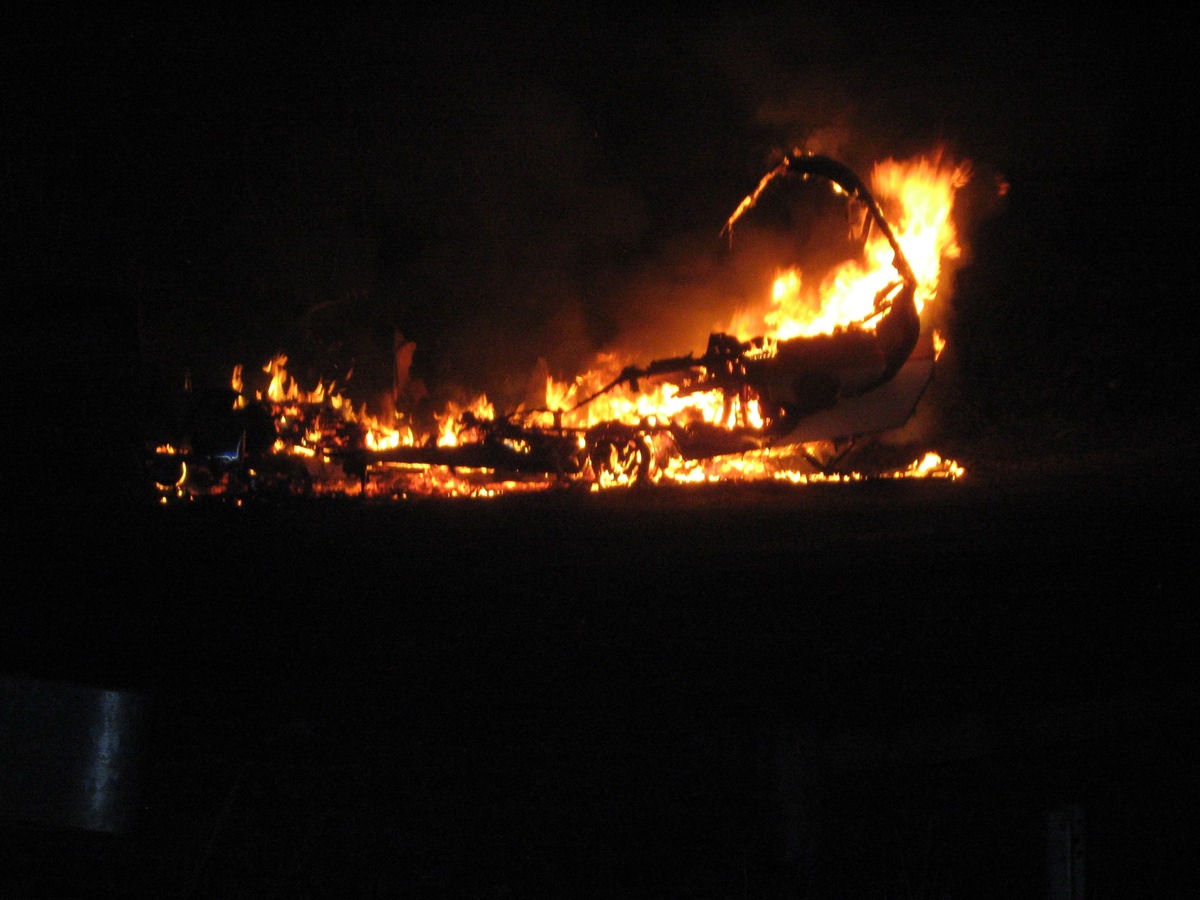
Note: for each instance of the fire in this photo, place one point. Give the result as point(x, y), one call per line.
point(687, 420)
point(932, 465)
point(921, 191)
point(456, 423)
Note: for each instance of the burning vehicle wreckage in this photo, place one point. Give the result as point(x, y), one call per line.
point(790, 404)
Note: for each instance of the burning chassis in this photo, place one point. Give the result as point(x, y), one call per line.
point(833, 388)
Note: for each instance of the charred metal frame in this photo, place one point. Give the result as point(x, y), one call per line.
point(791, 380)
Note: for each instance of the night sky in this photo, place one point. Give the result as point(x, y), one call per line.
point(193, 188)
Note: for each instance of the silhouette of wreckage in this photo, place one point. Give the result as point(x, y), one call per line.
point(829, 390)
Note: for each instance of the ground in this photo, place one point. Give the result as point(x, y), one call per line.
point(739, 691)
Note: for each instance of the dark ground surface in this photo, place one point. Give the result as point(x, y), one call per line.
point(877, 689)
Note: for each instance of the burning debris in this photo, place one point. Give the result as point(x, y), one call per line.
point(828, 370)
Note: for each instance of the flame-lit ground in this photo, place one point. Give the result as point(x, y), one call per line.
point(404, 482)
point(728, 691)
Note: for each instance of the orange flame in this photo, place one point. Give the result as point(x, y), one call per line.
point(921, 192)
point(918, 195)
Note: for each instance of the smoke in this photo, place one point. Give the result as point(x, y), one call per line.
point(500, 190)
point(523, 242)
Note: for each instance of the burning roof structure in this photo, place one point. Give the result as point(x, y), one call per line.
point(827, 368)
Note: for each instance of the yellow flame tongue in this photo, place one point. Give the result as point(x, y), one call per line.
point(921, 192)
point(918, 195)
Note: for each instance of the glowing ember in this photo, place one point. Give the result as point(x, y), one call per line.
point(782, 394)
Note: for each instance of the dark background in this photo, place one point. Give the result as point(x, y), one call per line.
point(187, 189)
point(735, 692)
